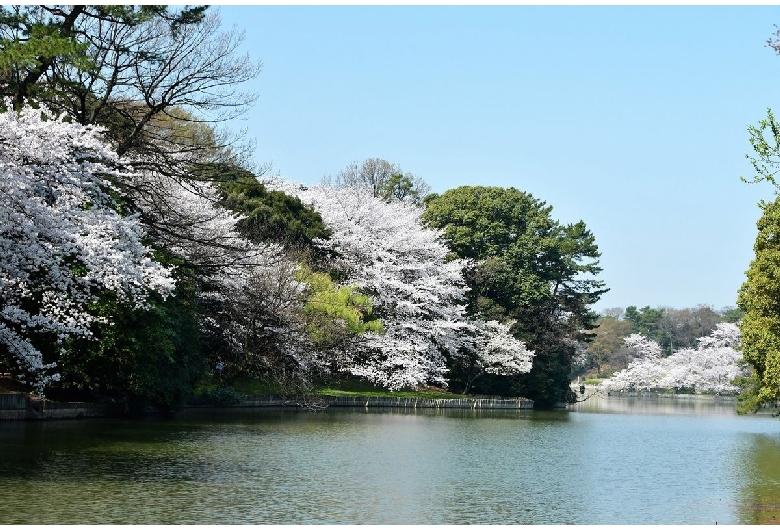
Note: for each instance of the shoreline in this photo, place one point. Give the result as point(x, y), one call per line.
point(22, 407)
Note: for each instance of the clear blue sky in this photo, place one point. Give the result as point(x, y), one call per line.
point(632, 119)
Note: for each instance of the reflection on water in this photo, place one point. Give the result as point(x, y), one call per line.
point(657, 404)
point(612, 462)
point(760, 494)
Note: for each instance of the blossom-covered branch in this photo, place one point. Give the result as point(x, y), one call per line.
point(61, 236)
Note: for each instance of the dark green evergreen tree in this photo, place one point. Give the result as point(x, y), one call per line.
point(527, 268)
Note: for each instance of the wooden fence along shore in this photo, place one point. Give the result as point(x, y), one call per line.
point(486, 402)
point(23, 407)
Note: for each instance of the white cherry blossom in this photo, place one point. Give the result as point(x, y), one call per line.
point(384, 249)
point(710, 367)
point(61, 237)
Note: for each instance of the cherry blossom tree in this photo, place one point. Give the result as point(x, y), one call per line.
point(285, 324)
point(492, 349)
point(383, 248)
point(252, 311)
point(643, 347)
point(251, 302)
point(710, 367)
point(61, 237)
point(184, 217)
point(66, 241)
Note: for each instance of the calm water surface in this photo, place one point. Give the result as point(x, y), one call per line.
point(606, 461)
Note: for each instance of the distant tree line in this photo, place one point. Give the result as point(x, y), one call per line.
point(672, 329)
point(714, 365)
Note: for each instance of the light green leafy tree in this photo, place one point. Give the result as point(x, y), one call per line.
point(334, 314)
point(765, 141)
point(759, 298)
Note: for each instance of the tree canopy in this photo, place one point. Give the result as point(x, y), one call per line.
point(144, 254)
point(526, 267)
point(383, 249)
point(608, 341)
point(758, 295)
point(384, 179)
point(759, 298)
point(268, 215)
point(62, 237)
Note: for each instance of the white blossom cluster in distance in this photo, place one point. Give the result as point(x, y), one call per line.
point(711, 366)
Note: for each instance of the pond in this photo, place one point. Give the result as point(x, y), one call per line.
point(606, 461)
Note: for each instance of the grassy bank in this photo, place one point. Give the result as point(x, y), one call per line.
point(214, 392)
point(344, 388)
point(423, 394)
